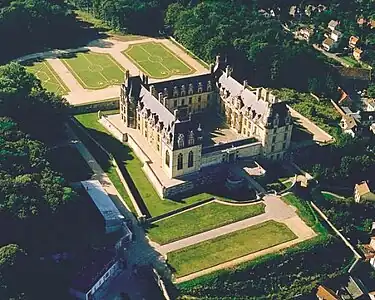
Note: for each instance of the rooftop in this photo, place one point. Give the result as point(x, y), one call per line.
point(326, 293)
point(328, 42)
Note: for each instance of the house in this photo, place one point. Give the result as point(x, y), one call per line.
point(349, 125)
point(328, 44)
point(100, 267)
point(333, 24)
point(361, 21)
point(336, 35)
point(325, 293)
point(306, 33)
point(353, 40)
point(369, 104)
point(357, 53)
point(363, 193)
point(371, 23)
point(310, 9)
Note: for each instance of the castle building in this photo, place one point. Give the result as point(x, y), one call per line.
point(171, 116)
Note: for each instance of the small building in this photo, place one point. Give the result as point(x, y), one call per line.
point(357, 53)
point(363, 193)
point(328, 44)
point(369, 104)
point(333, 24)
point(371, 23)
point(113, 219)
point(101, 267)
point(325, 293)
point(361, 21)
point(349, 125)
point(353, 40)
point(336, 35)
point(306, 33)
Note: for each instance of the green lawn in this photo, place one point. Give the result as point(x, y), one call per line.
point(69, 162)
point(48, 77)
point(209, 216)
point(155, 205)
point(156, 60)
point(94, 70)
point(227, 247)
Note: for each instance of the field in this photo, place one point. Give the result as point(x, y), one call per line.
point(48, 77)
point(203, 218)
point(156, 60)
point(228, 247)
point(94, 70)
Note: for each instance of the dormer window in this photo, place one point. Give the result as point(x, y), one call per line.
point(288, 119)
point(276, 121)
point(180, 141)
point(165, 92)
point(200, 87)
point(191, 138)
point(191, 89)
point(209, 86)
point(175, 91)
point(183, 91)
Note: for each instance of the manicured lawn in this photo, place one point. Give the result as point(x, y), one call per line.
point(230, 246)
point(209, 216)
point(156, 60)
point(48, 77)
point(155, 205)
point(69, 162)
point(94, 70)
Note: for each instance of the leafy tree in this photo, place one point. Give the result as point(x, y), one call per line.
point(371, 91)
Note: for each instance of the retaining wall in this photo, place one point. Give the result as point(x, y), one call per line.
point(96, 106)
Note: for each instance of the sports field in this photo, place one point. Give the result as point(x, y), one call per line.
point(94, 71)
point(156, 60)
point(48, 77)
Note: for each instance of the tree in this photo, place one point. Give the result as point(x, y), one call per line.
point(371, 91)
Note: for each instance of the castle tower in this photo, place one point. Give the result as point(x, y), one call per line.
point(130, 92)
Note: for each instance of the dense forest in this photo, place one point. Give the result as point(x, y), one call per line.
point(35, 201)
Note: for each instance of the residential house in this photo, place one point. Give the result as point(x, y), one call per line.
point(306, 33)
point(333, 24)
point(328, 44)
point(362, 192)
point(336, 35)
point(357, 53)
point(361, 21)
point(294, 11)
point(369, 104)
point(325, 293)
point(97, 272)
point(349, 125)
point(353, 40)
point(371, 23)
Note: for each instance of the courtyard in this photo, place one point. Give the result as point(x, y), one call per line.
point(47, 76)
point(94, 70)
point(156, 60)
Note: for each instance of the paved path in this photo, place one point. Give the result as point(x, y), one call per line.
point(276, 210)
point(80, 95)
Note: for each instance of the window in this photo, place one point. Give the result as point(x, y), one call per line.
point(180, 141)
point(175, 103)
point(158, 147)
point(273, 139)
point(145, 133)
point(191, 138)
point(167, 158)
point(199, 107)
point(183, 102)
point(284, 145)
point(272, 148)
point(285, 135)
point(199, 98)
point(190, 159)
point(190, 100)
point(180, 161)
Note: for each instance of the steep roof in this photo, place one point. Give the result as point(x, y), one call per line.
point(326, 293)
point(329, 42)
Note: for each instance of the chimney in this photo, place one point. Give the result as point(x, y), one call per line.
point(175, 113)
point(258, 93)
point(160, 96)
point(245, 83)
point(127, 75)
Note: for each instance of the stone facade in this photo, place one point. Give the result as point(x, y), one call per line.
point(169, 116)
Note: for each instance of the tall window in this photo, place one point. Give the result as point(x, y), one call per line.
point(180, 161)
point(167, 158)
point(191, 138)
point(181, 141)
point(191, 159)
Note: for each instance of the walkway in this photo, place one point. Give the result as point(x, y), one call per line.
point(79, 95)
point(276, 210)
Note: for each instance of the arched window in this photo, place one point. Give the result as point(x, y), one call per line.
point(167, 158)
point(191, 138)
point(180, 161)
point(191, 159)
point(180, 141)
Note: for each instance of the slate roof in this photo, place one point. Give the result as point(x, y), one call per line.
point(195, 79)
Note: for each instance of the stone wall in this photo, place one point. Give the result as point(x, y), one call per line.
point(96, 106)
point(117, 133)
